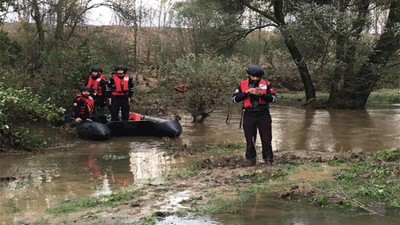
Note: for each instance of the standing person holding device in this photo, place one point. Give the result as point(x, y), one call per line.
point(256, 94)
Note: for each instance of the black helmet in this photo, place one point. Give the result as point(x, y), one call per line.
point(121, 67)
point(255, 70)
point(96, 69)
point(84, 88)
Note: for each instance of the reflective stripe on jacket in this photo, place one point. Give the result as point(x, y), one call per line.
point(88, 105)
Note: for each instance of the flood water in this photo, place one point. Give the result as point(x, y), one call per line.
point(80, 170)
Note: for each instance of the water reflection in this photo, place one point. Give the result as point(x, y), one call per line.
point(307, 129)
point(43, 180)
point(262, 209)
point(335, 130)
point(148, 163)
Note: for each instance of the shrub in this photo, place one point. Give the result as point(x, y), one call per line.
point(210, 83)
point(21, 105)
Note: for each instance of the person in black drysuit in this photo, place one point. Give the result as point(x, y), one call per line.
point(119, 91)
point(256, 93)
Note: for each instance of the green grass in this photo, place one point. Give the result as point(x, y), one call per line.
point(375, 182)
point(79, 204)
point(389, 155)
point(385, 96)
point(377, 96)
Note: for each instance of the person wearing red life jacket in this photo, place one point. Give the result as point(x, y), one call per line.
point(256, 93)
point(119, 91)
point(97, 83)
point(84, 106)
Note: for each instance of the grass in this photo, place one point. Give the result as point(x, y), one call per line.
point(389, 155)
point(89, 202)
point(375, 182)
point(114, 157)
point(377, 96)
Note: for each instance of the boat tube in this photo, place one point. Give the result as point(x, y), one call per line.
point(148, 126)
point(94, 131)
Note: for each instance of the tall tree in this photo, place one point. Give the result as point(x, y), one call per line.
point(208, 31)
point(357, 86)
point(349, 22)
point(274, 12)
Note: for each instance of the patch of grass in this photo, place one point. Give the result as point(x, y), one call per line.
point(224, 148)
point(114, 157)
point(388, 155)
point(73, 206)
point(42, 221)
point(89, 202)
point(365, 183)
point(384, 96)
point(335, 161)
point(377, 96)
point(299, 96)
point(14, 209)
point(181, 173)
point(315, 167)
point(94, 187)
point(150, 220)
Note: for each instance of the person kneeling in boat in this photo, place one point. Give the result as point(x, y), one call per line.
point(84, 106)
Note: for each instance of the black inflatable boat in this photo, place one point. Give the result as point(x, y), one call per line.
point(93, 130)
point(146, 127)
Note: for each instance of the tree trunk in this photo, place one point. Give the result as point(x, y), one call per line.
point(356, 91)
point(309, 88)
point(37, 17)
point(298, 59)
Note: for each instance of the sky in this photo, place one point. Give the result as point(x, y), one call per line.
point(97, 16)
point(104, 16)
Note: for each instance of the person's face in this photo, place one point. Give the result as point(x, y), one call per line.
point(85, 93)
point(120, 72)
point(254, 78)
point(94, 73)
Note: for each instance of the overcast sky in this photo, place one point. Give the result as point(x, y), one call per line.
point(104, 16)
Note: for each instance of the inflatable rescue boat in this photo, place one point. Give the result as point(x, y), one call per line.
point(137, 125)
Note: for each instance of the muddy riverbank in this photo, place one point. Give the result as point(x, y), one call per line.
point(210, 184)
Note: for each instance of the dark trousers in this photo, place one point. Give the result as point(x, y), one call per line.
point(99, 101)
point(116, 105)
point(250, 125)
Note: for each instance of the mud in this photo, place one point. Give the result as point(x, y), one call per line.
point(223, 177)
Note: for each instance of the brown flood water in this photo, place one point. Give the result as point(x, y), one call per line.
point(80, 170)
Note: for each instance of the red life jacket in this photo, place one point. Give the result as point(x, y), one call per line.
point(262, 84)
point(94, 84)
point(121, 85)
point(88, 104)
point(134, 116)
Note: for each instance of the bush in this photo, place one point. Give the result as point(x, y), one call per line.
point(21, 105)
point(210, 83)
